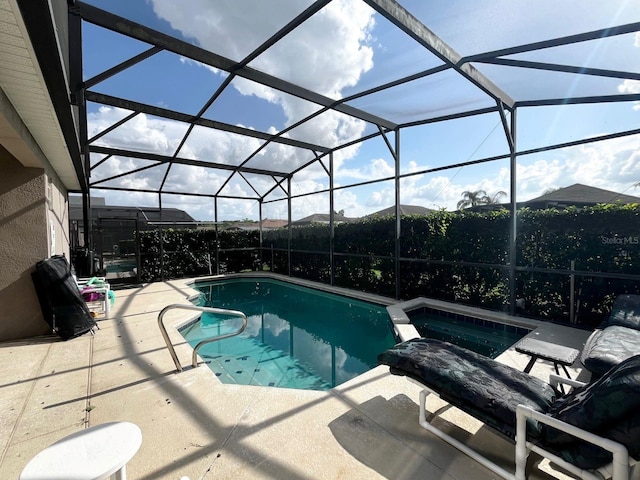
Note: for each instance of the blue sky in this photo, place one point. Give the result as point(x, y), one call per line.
point(346, 49)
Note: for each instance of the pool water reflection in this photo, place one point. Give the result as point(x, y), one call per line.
point(296, 337)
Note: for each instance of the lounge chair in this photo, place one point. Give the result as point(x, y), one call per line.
point(97, 294)
point(616, 339)
point(593, 431)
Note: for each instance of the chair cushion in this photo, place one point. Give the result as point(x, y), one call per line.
point(609, 407)
point(480, 386)
point(607, 348)
point(625, 312)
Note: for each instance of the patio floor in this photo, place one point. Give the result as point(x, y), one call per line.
point(192, 425)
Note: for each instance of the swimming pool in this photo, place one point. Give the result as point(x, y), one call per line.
point(484, 331)
point(486, 337)
point(296, 337)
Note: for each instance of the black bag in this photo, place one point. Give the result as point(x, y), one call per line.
point(62, 305)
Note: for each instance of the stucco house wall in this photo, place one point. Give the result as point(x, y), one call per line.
point(33, 225)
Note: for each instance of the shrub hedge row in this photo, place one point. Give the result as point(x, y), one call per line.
point(456, 256)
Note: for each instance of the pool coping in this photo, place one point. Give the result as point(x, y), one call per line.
point(406, 331)
point(346, 292)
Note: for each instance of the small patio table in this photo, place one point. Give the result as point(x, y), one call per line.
point(91, 454)
point(558, 354)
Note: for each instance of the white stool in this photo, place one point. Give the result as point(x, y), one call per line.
point(91, 454)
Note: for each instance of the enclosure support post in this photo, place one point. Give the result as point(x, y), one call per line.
point(215, 218)
point(331, 224)
point(161, 236)
point(260, 232)
point(398, 234)
point(572, 292)
point(289, 228)
point(138, 253)
point(78, 99)
point(514, 221)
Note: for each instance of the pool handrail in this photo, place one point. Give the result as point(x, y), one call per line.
point(198, 308)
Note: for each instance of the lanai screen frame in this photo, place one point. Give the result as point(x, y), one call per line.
point(505, 106)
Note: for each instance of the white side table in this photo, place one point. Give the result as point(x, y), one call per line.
point(92, 454)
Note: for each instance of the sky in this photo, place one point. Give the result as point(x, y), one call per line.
point(345, 49)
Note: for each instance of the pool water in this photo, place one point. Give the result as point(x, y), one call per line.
point(482, 336)
point(296, 337)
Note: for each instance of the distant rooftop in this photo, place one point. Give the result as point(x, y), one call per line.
point(404, 210)
point(322, 218)
point(148, 214)
point(582, 194)
point(576, 195)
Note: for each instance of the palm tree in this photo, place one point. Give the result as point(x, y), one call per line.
point(479, 197)
point(496, 197)
point(471, 199)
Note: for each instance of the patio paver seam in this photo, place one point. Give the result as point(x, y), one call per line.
point(87, 409)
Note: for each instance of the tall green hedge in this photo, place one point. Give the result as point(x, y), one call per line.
point(195, 252)
point(604, 239)
point(457, 256)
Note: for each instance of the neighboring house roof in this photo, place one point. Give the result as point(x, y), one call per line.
point(76, 200)
point(267, 224)
point(576, 195)
point(322, 218)
point(404, 210)
point(584, 195)
point(147, 214)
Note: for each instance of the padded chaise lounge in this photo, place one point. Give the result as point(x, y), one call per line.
point(616, 339)
point(593, 431)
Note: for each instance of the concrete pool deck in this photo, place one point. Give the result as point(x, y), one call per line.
point(192, 425)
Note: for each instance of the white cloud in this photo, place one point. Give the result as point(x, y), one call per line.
point(537, 177)
point(629, 86)
point(342, 30)
point(377, 168)
point(214, 70)
point(142, 132)
point(632, 86)
point(267, 321)
point(611, 165)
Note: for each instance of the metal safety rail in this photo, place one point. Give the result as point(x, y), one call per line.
point(194, 358)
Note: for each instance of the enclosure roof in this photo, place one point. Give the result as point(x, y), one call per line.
point(239, 80)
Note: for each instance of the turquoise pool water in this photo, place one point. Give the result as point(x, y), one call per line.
point(482, 336)
point(296, 337)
